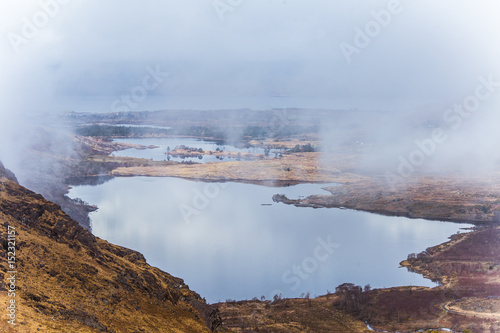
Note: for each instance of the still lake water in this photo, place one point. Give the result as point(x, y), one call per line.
point(158, 154)
point(231, 241)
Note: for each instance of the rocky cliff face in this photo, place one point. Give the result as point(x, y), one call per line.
point(6, 173)
point(64, 279)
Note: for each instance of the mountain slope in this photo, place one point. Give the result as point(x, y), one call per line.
point(67, 280)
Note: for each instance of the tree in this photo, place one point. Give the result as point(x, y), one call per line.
point(349, 295)
point(352, 298)
point(277, 298)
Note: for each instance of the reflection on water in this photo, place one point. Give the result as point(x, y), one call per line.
point(230, 241)
point(158, 154)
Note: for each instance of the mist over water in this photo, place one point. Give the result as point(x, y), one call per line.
point(187, 55)
point(410, 99)
point(435, 139)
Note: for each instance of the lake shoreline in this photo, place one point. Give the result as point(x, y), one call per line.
point(201, 212)
point(477, 195)
point(451, 198)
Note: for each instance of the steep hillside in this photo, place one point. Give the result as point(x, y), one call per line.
point(66, 280)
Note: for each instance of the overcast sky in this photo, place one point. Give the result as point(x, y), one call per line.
point(418, 57)
point(427, 50)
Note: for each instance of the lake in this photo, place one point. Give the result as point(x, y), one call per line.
point(158, 154)
point(231, 241)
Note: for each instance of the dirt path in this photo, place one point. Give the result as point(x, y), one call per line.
point(456, 310)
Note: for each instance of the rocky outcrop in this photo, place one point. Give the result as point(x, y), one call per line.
point(6, 173)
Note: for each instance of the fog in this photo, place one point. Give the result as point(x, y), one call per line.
point(413, 58)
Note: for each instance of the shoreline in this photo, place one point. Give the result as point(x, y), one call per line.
point(449, 199)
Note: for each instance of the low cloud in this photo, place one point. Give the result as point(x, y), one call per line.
point(84, 55)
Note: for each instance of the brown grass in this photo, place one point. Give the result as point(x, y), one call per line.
point(70, 281)
point(288, 315)
point(298, 168)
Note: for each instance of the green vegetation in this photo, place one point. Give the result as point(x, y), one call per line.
point(307, 148)
point(254, 132)
point(264, 132)
point(120, 131)
point(203, 131)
